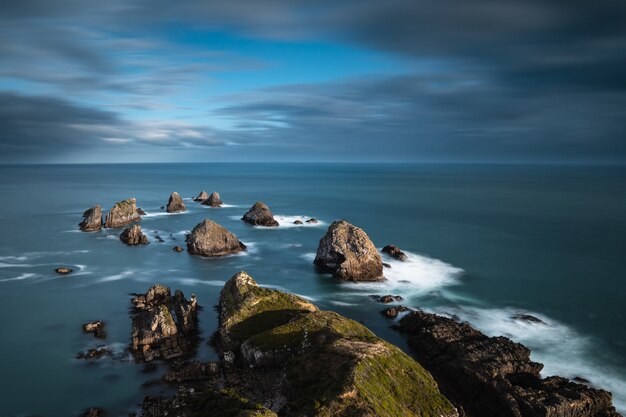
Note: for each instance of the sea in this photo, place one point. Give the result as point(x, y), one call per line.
point(485, 242)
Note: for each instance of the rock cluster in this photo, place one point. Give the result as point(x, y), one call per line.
point(95, 327)
point(494, 376)
point(347, 252)
point(134, 236)
point(122, 213)
point(260, 215)
point(92, 220)
point(213, 200)
point(386, 299)
point(175, 204)
point(163, 326)
point(210, 239)
point(395, 252)
point(202, 196)
point(63, 270)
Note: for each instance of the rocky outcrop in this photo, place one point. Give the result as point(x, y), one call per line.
point(95, 353)
point(260, 215)
point(134, 236)
point(202, 196)
point(178, 249)
point(312, 221)
point(122, 213)
point(298, 222)
point(192, 371)
point(392, 312)
point(63, 270)
point(213, 200)
point(92, 220)
point(163, 326)
point(386, 299)
point(395, 252)
point(494, 376)
point(96, 328)
point(347, 252)
point(175, 204)
point(210, 239)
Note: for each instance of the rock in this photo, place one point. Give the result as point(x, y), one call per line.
point(140, 211)
point(159, 238)
point(63, 270)
point(347, 252)
point(312, 221)
point(527, 318)
point(133, 236)
point(580, 380)
point(178, 249)
point(95, 327)
point(95, 353)
point(210, 239)
point(92, 219)
point(494, 376)
point(192, 371)
point(163, 326)
point(202, 196)
point(260, 215)
point(392, 312)
point(298, 222)
point(175, 204)
point(395, 252)
point(213, 200)
point(386, 265)
point(93, 412)
point(122, 213)
point(386, 299)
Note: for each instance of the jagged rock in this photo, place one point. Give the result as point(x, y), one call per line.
point(312, 221)
point(210, 239)
point(386, 265)
point(202, 196)
point(386, 299)
point(213, 200)
point(133, 236)
point(347, 252)
point(95, 327)
point(392, 312)
point(140, 211)
point(192, 371)
point(260, 215)
point(95, 353)
point(175, 203)
point(298, 222)
point(122, 213)
point(63, 270)
point(395, 252)
point(494, 376)
point(93, 412)
point(527, 318)
point(92, 219)
point(178, 249)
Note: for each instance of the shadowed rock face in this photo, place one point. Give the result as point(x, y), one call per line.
point(92, 219)
point(213, 200)
point(210, 239)
point(347, 252)
point(133, 236)
point(395, 252)
point(494, 376)
point(175, 204)
point(122, 213)
point(202, 196)
point(260, 215)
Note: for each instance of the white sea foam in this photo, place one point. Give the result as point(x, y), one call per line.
point(13, 258)
point(162, 213)
point(342, 303)
point(117, 277)
point(291, 245)
point(23, 276)
point(195, 281)
point(286, 221)
point(309, 256)
point(223, 206)
point(6, 265)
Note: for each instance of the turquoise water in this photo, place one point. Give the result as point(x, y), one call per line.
point(485, 242)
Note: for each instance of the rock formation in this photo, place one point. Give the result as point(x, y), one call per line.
point(95, 327)
point(210, 239)
point(95, 353)
point(202, 196)
point(386, 299)
point(260, 215)
point(395, 252)
point(297, 222)
point(175, 204)
point(122, 213)
point(163, 326)
point(494, 376)
point(63, 270)
point(133, 236)
point(347, 252)
point(392, 312)
point(92, 219)
point(312, 221)
point(178, 249)
point(213, 200)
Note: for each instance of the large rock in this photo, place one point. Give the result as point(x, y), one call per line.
point(202, 196)
point(134, 236)
point(175, 203)
point(213, 200)
point(347, 252)
point(210, 239)
point(163, 326)
point(494, 376)
point(122, 213)
point(260, 215)
point(92, 219)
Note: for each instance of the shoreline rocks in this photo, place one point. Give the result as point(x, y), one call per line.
point(202, 196)
point(96, 328)
point(133, 236)
point(122, 213)
point(395, 253)
point(175, 204)
point(260, 215)
point(210, 239)
point(92, 220)
point(348, 253)
point(213, 200)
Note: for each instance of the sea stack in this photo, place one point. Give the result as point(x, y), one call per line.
point(133, 236)
point(260, 215)
point(202, 196)
point(122, 213)
point(92, 219)
point(347, 252)
point(213, 200)
point(175, 204)
point(210, 239)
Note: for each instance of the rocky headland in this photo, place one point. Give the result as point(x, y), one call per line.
point(210, 239)
point(260, 215)
point(122, 213)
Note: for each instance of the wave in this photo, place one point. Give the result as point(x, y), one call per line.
point(21, 277)
point(287, 221)
point(342, 303)
point(117, 277)
point(5, 265)
point(222, 206)
point(162, 213)
point(193, 281)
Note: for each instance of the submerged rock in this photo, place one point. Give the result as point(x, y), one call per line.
point(210, 239)
point(347, 252)
point(386, 299)
point(178, 249)
point(298, 222)
point(395, 252)
point(133, 236)
point(527, 318)
point(122, 213)
point(95, 353)
point(95, 327)
point(175, 203)
point(202, 196)
point(494, 376)
point(392, 312)
point(260, 215)
point(312, 221)
point(92, 219)
point(213, 200)
point(63, 270)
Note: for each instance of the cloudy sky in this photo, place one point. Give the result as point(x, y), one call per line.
point(299, 80)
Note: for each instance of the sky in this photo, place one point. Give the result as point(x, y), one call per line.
point(298, 80)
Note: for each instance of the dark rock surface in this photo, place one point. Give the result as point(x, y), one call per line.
point(260, 215)
point(213, 200)
point(92, 220)
point(298, 222)
point(140, 211)
point(63, 270)
point(494, 376)
point(386, 299)
point(95, 327)
point(178, 249)
point(527, 318)
point(122, 213)
point(133, 236)
point(202, 196)
point(347, 252)
point(210, 239)
point(312, 221)
point(392, 312)
point(192, 371)
point(95, 353)
point(395, 252)
point(175, 204)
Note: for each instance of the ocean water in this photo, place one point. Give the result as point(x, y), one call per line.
point(485, 242)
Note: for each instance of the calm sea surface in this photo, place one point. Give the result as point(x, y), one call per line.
point(485, 242)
